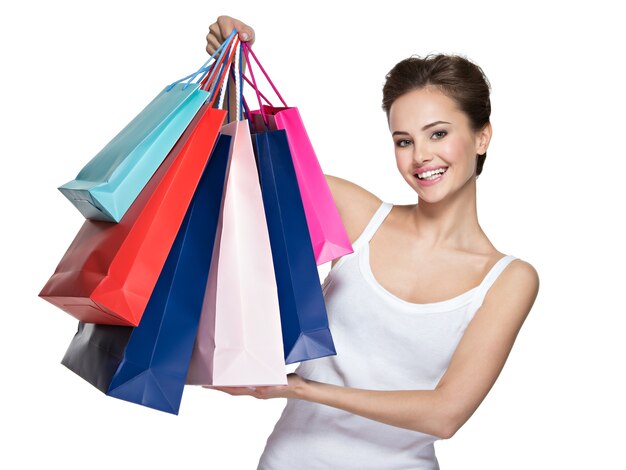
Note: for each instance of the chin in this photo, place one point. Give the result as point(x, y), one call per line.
point(428, 194)
point(430, 199)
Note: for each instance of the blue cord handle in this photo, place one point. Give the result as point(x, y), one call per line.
point(205, 67)
point(216, 82)
point(224, 47)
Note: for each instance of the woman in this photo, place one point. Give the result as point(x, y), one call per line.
point(425, 311)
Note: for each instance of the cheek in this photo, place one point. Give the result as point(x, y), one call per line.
point(403, 159)
point(455, 150)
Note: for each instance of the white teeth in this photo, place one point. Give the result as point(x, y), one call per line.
point(428, 174)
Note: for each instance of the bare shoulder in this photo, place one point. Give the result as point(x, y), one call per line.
point(356, 205)
point(518, 285)
point(522, 274)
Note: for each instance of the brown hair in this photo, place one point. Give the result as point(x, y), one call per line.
point(456, 77)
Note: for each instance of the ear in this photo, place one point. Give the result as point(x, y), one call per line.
point(483, 137)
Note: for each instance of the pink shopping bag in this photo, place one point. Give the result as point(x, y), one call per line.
point(328, 235)
point(239, 340)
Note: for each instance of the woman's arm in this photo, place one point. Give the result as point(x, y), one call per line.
point(473, 369)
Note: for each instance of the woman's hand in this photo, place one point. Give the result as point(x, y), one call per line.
point(222, 28)
point(295, 388)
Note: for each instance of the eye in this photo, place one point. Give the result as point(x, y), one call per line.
point(439, 134)
point(403, 143)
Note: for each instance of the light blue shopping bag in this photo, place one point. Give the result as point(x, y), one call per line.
point(107, 186)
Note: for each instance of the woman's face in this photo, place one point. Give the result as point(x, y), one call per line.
point(431, 133)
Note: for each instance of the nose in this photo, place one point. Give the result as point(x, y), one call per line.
point(421, 155)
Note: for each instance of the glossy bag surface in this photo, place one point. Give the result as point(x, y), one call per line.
point(303, 313)
point(96, 351)
point(328, 235)
point(156, 360)
point(110, 269)
point(107, 186)
point(147, 365)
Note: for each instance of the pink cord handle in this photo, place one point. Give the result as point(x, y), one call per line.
point(262, 95)
point(247, 46)
point(256, 88)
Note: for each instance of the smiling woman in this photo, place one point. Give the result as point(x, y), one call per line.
point(425, 311)
point(461, 80)
point(450, 144)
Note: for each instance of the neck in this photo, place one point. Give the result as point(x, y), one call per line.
point(451, 223)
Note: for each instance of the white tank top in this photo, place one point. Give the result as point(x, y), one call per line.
point(382, 343)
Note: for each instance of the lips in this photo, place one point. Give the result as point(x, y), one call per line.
point(429, 182)
point(425, 171)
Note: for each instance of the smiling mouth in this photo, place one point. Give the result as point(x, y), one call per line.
point(431, 175)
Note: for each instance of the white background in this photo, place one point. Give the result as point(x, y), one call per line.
point(74, 73)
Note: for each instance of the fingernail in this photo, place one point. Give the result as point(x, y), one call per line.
point(244, 36)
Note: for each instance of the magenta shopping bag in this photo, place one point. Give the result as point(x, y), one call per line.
point(328, 235)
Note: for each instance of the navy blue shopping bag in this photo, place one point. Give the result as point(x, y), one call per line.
point(302, 309)
point(148, 364)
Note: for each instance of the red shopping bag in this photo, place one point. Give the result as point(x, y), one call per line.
point(110, 269)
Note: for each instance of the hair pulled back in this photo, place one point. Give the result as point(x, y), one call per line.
point(454, 75)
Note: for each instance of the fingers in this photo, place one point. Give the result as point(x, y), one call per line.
point(236, 391)
point(226, 25)
point(216, 31)
point(212, 44)
point(222, 28)
point(256, 392)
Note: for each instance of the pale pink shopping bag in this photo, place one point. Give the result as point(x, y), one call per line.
point(328, 235)
point(239, 340)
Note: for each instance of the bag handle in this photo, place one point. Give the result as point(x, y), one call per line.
point(254, 85)
point(235, 73)
point(221, 82)
point(210, 80)
point(208, 72)
point(261, 93)
point(247, 48)
point(205, 67)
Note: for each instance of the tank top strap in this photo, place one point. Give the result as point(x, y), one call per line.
point(375, 222)
point(490, 278)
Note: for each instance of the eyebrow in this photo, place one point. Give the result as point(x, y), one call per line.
point(427, 126)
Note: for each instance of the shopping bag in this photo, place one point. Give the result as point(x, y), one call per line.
point(96, 351)
point(239, 339)
point(302, 310)
point(108, 273)
point(155, 363)
point(106, 187)
point(328, 235)
point(147, 365)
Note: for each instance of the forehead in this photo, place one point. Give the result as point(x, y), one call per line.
point(417, 108)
